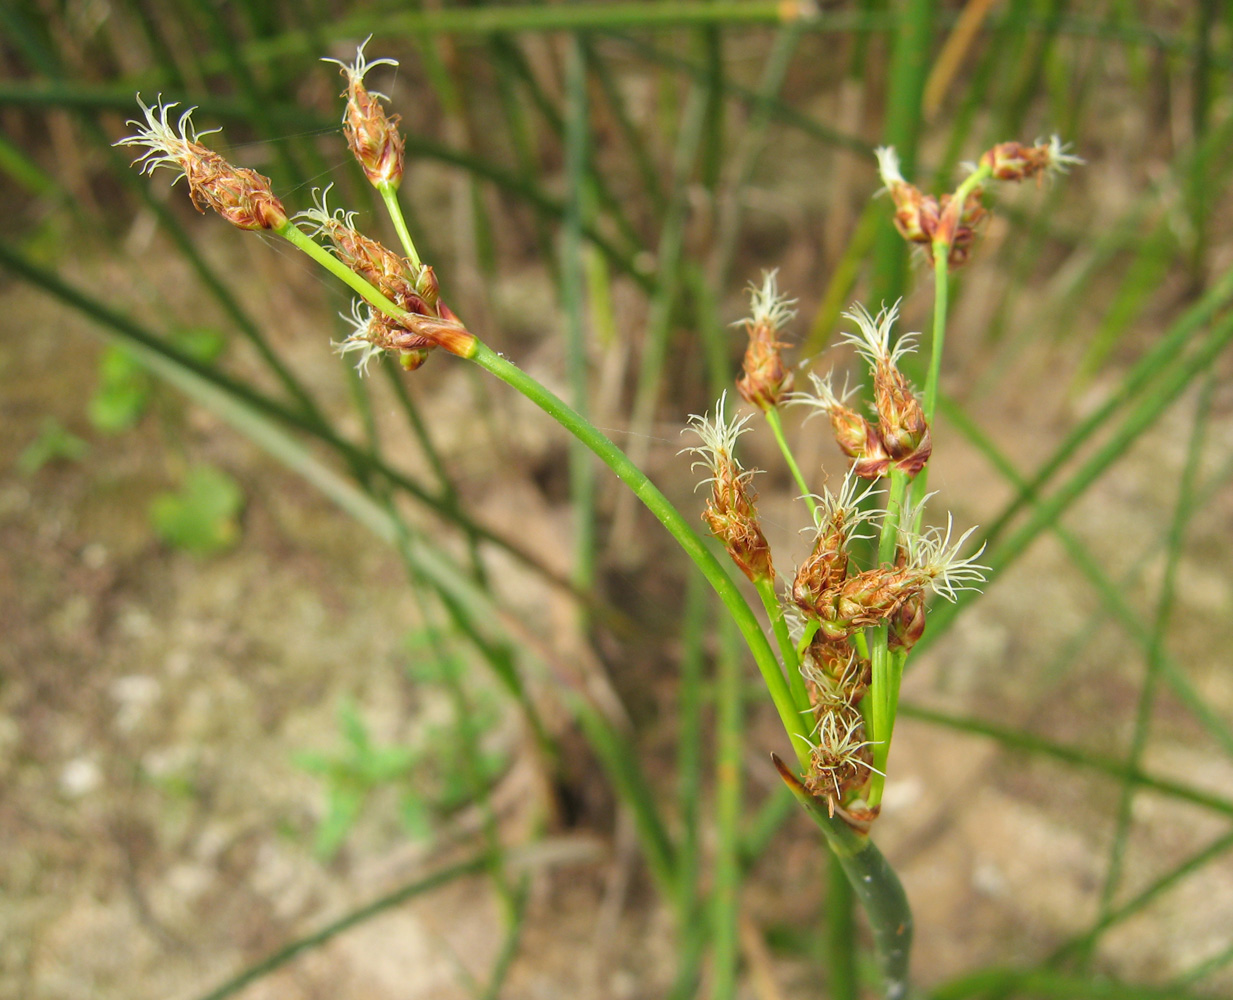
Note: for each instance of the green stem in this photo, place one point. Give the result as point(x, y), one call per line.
point(572, 284)
point(874, 881)
point(886, 669)
point(285, 954)
point(670, 518)
point(941, 271)
point(726, 891)
point(879, 712)
point(811, 629)
point(841, 947)
point(776, 425)
point(887, 666)
point(787, 651)
point(389, 195)
point(941, 305)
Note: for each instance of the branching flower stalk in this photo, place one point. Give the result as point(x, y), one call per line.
point(833, 700)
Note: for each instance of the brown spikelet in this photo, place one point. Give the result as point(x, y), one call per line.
point(372, 134)
point(733, 519)
point(241, 196)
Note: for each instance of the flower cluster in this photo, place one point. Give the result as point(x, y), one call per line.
point(412, 320)
point(953, 221)
point(900, 437)
point(426, 322)
point(926, 220)
point(832, 601)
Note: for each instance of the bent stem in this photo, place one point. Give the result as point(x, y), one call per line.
point(787, 652)
point(871, 877)
point(873, 880)
point(772, 418)
point(670, 518)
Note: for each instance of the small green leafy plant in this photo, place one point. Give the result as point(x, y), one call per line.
point(202, 516)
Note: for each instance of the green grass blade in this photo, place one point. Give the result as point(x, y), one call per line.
point(1151, 402)
point(290, 951)
point(1044, 984)
point(725, 893)
point(1111, 592)
point(1017, 739)
point(842, 952)
point(1196, 862)
point(174, 364)
point(1155, 649)
point(909, 69)
point(577, 169)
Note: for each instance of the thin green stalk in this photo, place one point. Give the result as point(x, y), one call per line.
point(1110, 591)
point(777, 109)
point(874, 881)
point(171, 364)
point(467, 730)
point(841, 945)
point(1205, 968)
point(1017, 739)
point(401, 895)
point(886, 669)
point(787, 651)
point(1155, 651)
point(776, 425)
point(389, 195)
point(450, 497)
point(941, 304)
point(523, 135)
point(456, 589)
point(749, 149)
point(725, 899)
point(513, 938)
point(670, 518)
point(318, 253)
point(578, 169)
point(1151, 403)
point(615, 99)
point(1152, 367)
point(771, 815)
point(620, 764)
point(1087, 940)
point(880, 712)
point(690, 739)
point(1045, 984)
point(906, 85)
point(663, 302)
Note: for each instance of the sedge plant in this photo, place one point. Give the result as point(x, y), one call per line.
point(840, 633)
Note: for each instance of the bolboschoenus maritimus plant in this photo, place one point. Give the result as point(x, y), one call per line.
point(842, 632)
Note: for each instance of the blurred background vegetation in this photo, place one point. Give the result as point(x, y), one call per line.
point(315, 685)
